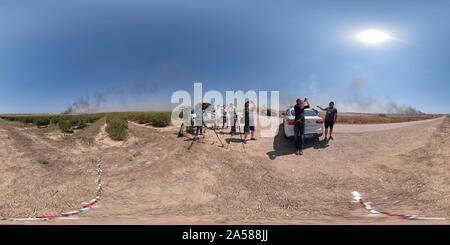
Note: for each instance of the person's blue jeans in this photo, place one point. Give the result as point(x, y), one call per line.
point(299, 131)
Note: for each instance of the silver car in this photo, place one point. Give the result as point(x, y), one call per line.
point(313, 123)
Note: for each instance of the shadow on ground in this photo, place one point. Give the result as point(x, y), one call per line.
point(286, 146)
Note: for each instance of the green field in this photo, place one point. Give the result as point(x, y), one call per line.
point(116, 121)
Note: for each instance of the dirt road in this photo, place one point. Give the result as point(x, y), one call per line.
point(362, 128)
point(153, 179)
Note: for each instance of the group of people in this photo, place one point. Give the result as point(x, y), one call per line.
point(299, 122)
point(229, 116)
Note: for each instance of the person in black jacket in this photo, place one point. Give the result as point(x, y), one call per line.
point(299, 124)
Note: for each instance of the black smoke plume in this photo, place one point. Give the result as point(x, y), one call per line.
point(80, 104)
point(99, 98)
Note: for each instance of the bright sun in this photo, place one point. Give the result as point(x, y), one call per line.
point(373, 36)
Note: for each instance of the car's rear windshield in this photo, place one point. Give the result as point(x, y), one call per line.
point(308, 113)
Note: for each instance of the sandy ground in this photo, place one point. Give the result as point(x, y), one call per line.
point(152, 178)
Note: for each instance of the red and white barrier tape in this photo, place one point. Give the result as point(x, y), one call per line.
point(367, 207)
point(87, 205)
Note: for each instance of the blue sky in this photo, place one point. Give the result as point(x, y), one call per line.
point(55, 52)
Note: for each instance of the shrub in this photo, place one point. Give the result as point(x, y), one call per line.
point(40, 121)
point(27, 119)
point(160, 119)
point(117, 128)
point(42, 161)
point(55, 120)
point(64, 125)
point(74, 120)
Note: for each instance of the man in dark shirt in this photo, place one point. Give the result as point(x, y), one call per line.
point(299, 124)
point(249, 125)
point(330, 118)
point(234, 116)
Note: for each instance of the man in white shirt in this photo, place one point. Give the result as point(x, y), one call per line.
point(224, 115)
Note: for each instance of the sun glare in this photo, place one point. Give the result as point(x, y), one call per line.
point(373, 37)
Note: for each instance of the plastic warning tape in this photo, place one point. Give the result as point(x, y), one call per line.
point(357, 196)
point(85, 207)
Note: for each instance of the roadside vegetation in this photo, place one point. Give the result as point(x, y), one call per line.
point(157, 119)
point(64, 122)
point(117, 126)
point(117, 122)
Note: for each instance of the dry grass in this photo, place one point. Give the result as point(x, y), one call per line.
point(362, 118)
point(87, 135)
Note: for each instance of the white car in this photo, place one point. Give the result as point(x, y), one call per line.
point(313, 123)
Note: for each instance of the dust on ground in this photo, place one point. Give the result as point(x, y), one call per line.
point(153, 178)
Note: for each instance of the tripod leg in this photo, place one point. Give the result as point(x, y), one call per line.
point(218, 138)
point(204, 127)
point(192, 143)
point(241, 137)
point(231, 134)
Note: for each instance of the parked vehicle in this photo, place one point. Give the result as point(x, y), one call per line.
point(313, 123)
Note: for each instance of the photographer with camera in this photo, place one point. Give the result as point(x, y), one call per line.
point(299, 124)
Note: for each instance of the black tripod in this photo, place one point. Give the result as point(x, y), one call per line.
point(231, 133)
point(214, 129)
point(193, 140)
point(240, 134)
point(196, 135)
point(242, 141)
